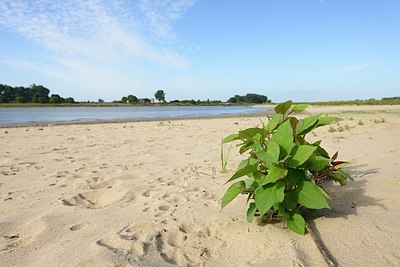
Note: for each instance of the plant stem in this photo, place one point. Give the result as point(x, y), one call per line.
point(329, 259)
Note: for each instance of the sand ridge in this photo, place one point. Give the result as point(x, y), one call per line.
point(147, 194)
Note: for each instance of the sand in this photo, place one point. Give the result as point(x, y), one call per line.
point(148, 194)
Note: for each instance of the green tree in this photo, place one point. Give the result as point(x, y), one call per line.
point(20, 99)
point(255, 98)
point(100, 100)
point(132, 99)
point(8, 93)
point(69, 100)
point(124, 99)
point(249, 98)
point(55, 99)
point(40, 93)
point(21, 94)
point(160, 96)
point(42, 100)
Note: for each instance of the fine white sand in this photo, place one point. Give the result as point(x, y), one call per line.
point(147, 194)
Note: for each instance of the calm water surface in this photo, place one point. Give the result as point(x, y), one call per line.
point(25, 116)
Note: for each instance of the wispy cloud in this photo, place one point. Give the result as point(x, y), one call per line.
point(93, 40)
point(359, 67)
point(158, 14)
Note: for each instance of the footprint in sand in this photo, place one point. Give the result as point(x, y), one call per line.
point(102, 195)
point(155, 244)
point(19, 236)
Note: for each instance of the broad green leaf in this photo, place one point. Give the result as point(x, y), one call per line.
point(306, 125)
point(296, 177)
point(311, 197)
point(300, 107)
point(340, 165)
point(322, 121)
point(324, 193)
point(250, 183)
point(296, 223)
point(342, 180)
point(251, 211)
point(284, 137)
point(251, 132)
point(317, 163)
point(293, 121)
point(267, 195)
point(283, 107)
point(301, 154)
point(232, 192)
point(230, 138)
point(317, 143)
point(274, 174)
point(334, 157)
point(259, 177)
point(322, 152)
point(345, 173)
point(270, 155)
point(242, 172)
point(290, 200)
point(245, 162)
point(249, 144)
point(274, 121)
point(273, 151)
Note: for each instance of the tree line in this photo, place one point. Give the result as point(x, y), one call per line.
point(40, 94)
point(32, 94)
point(249, 98)
point(159, 95)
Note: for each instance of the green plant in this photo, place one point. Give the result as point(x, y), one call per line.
point(283, 171)
point(382, 120)
point(360, 122)
point(224, 160)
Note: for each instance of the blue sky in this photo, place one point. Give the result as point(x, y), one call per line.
point(304, 50)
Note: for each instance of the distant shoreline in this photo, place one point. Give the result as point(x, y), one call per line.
point(66, 105)
point(370, 102)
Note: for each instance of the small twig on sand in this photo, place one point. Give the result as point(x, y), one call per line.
point(367, 173)
point(330, 260)
point(198, 173)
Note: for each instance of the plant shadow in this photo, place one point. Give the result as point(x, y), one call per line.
point(347, 199)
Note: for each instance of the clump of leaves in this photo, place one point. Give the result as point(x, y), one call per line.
point(332, 129)
point(283, 171)
point(382, 120)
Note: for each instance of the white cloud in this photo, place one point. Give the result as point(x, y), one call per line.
point(95, 41)
point(359, 67)
point(158, 20)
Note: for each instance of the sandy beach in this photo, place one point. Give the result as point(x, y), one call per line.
point(148, 194)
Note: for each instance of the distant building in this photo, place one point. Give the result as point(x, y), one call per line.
point(144, 100)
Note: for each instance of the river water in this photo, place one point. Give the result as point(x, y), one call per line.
point(53, 115)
